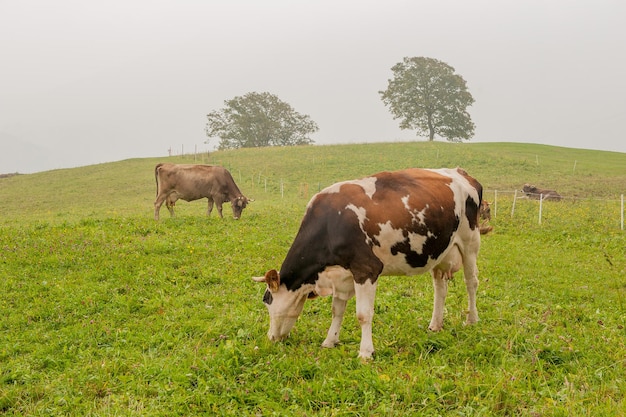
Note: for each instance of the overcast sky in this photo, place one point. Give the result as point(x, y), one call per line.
point(85, 82)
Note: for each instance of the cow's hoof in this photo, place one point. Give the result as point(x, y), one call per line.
point(329, 344)
point(365, 356)
point(435, 327)
point(471, 319)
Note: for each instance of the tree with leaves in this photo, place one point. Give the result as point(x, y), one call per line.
point(259, 119)
point(429, 97)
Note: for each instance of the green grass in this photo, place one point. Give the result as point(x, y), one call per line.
point(106, 312)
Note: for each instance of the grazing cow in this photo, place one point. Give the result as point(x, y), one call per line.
point(392, 223)
point(193, 182)
point(536, 193)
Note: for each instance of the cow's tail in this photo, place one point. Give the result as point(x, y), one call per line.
point(156, 177)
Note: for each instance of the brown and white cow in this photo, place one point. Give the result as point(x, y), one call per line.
point(539, 193)
point(191, 182)
point(392, 223)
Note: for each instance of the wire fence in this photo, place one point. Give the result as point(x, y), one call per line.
point(515, 203)
point(538, 202)
point(512, 202)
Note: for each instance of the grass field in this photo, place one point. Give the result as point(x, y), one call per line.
point(105, 312)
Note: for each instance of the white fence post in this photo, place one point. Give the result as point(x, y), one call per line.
point(514, 200)
point(540, 206)
point(495, 203)
point(622, 212)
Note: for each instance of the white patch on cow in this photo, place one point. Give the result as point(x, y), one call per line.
point(360, 212)
point(405, 201)
point(361, 215)
point(419, 217)
point(389, 235)
point(417, 241)
point(368, 184)
point(460, 187)
point(335, 280)
point(393, 264)
point(396, 264)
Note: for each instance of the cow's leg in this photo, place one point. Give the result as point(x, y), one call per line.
point(470, 273)
point(210, 207)
point(157, 206)
point(339, 308)
point(219, 208)
point(365, 295)
point(440, 283)
point(170, 202)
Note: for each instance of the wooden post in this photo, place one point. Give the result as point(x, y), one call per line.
point(514, 200)
point(495, 203)
point(540, 206)
point(622, 211)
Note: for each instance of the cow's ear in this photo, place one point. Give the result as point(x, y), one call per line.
point(272, 279)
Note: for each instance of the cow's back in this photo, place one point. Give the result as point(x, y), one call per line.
point(189, 181)
point(407, 220)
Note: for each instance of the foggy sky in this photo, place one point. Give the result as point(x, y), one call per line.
point(88, 82)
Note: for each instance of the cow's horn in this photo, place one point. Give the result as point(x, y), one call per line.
point(258, 279)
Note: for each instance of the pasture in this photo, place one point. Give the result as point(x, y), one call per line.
point(104, 311)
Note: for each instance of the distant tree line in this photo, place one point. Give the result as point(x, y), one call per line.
point(425, 94)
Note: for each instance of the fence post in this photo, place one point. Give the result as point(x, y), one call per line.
point(514, 200)
point(282, 188)
point(622, 211)
point(540, 206)
point(495, 203)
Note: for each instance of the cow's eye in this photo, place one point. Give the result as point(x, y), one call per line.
point(267, 297)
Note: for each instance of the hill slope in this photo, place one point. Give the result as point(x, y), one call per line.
point(128, 187)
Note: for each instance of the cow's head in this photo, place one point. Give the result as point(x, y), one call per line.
point(283, 305)
point(238, 204)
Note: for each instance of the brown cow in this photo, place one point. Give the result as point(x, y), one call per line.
point(537, 193)
point(192, 182)
point(485, 215)
point(392, 223)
